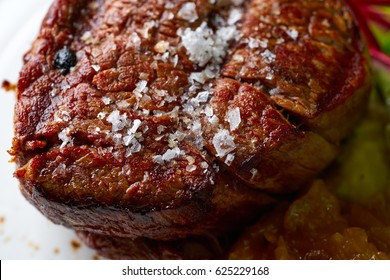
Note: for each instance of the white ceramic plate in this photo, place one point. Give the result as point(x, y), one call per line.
point(24, 232)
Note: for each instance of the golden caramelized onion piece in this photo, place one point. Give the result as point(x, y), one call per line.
point(314, 227)
point(161, 120)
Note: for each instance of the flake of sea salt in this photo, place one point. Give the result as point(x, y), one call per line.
point(136, 147)
point(199, 77)
point(190, 159)
point(254, 172)
point(128, 138)
point(175, 60)
point(167, 15)
point(274, 91)
point(96, 67)
point(117, 120)
point(238, 58)
point(87, 38)
point(253, 43)
point(235, 15)
point(117, 137)
point(223, 36)
point(123, 104)
point(208, 110)
point(147, 26)
point(223, 143)
point(134, 40)
point(160, 129)
point(161, 46)
point(64, 137)
point(233, 116)
point(106, 100)
point(188, 12)
point(136, 125)
point(269, 76)
point(203, 96)
point(141, 87)
point(268, 56)
point(237, 2)
point(214, 120)
point(229, 159)
point(168, 155)
point(191, 168)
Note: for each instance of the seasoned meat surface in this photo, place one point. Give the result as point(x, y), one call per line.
point(167, 119)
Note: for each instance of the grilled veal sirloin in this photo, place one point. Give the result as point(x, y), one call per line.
point(163, 126)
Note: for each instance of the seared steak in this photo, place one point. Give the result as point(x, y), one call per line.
point(160, 120)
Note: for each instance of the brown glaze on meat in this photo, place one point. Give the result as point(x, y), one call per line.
point(179, 118)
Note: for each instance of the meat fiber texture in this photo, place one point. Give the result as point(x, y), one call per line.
point(181, 120)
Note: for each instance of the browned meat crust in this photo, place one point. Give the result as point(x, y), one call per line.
point(148, 249)
point(168, 119)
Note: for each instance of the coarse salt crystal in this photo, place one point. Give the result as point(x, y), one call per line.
point(229, 159)
point(106, 100)
point(191, 168)
point(96, 67)
point(188, 12)
point(147, 26)
point(65, 116)
point(237, 2)
point(141, 87)
point(168, 155)
point(127, 139)
point(269, 76)
point(199, 44)
point(169, 5)
point(136, 125)
point(117, 137)
point(123, 104)
point(198, 77)
point(234, 118)
point(253, 43)
point(204, 165)
point(160, 129)
point(268, 56)
point(190, 160)
point(223, 143)
point(293, 33)
point(238, 58)
point(87, 38)
point(203, 96)
point(254, 172)
point(136, 147)
point(175, 60)
point(214, 120)
point(235, 15)
point(167, 15)
point(117, 120)
point(101, 115)
point(209, 112)
point(64, 137)
point(161, 46)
